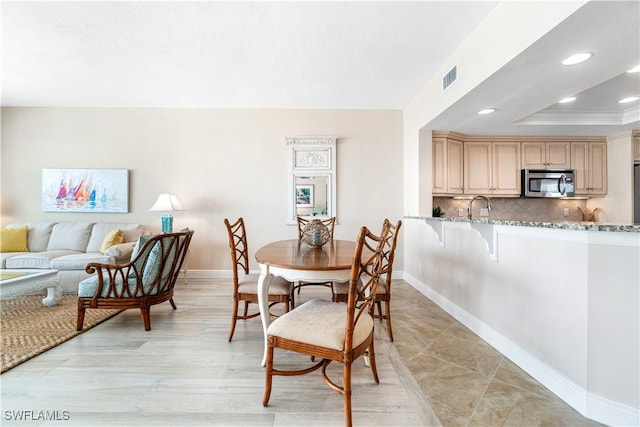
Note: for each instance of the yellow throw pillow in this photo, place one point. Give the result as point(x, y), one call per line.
point(14, 239)
point(114, 237)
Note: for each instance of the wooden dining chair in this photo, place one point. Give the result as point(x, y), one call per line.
point(245, 285)
point(330, 223)
point(383, 290)
point(331, 331)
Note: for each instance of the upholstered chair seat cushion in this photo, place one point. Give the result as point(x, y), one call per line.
point(248, 284)
point(320, 322)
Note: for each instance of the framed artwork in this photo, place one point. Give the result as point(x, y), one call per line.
point(85, 190)
point(304, 196)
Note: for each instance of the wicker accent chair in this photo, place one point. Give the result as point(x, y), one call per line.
point(245, 285)
point(333, 331)
point(383, 291)
point(330, 223)
point(148, 279)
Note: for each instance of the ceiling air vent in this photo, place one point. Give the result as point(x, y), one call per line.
point(449, 78)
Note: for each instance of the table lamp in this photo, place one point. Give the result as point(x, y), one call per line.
point(167, 202)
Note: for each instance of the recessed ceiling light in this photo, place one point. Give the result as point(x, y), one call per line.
point(577, 58)
point(567, 99)
point(629, 99)
point(635, 69)
point(487, 111)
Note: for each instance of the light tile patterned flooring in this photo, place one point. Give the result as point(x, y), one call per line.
point(184, 373)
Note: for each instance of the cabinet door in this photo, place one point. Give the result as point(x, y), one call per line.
point(589, 160)
point(597, 168)
point(533, 155)
point(506, 168)
point(477, 168)
point(580, 164)
point(447, 166)
point(455, 154)
point(637, 149)
point(558, 155)
point(439, 162)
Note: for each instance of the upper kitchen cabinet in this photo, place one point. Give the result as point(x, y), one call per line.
point(589, 159)
point(546, 155)
point(447, 152)
point(636, 144)
point(492, 168)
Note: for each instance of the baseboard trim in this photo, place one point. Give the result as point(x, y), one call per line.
point(589, 405)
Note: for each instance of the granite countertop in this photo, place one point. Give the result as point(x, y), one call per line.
point(565, 225)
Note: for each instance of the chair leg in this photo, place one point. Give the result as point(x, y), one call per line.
point(387, 306)
point(346, 387)
point(268, 376)
point(80, 319)
point(372, 362)
point(146, 317)
point(234, 318)
point(246, 308)
point(173, 304)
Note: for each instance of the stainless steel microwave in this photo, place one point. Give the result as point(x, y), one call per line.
point(548, 183)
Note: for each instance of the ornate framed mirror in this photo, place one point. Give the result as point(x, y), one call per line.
point(311, 163)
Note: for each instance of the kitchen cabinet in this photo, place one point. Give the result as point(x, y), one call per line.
point(492, 168)
point(447, 153)
point(589, 159)
point(546, 155)
point(636, 144)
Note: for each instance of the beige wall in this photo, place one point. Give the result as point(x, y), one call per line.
point(220, 163)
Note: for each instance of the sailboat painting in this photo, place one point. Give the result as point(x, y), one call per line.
point(85, 190)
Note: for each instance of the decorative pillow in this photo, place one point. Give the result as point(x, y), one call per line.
point(122, 250)
point(14, 239)
point(139, 244)
point(114, 237)
point(140, 262)
point(151, 269)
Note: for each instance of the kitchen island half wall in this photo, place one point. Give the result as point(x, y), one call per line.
point(561, 300)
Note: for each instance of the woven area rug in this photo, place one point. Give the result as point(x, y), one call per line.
point(28, 328)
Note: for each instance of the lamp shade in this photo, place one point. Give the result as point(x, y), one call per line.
point(167, 202)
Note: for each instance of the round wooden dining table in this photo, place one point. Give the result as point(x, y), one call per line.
point(297, 261)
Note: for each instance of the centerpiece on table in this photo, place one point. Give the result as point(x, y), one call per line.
point(315, 233)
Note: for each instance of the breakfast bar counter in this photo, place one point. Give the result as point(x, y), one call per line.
point(560, 225)
point(560, 299)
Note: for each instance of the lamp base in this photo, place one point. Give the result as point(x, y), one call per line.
point(167, 223)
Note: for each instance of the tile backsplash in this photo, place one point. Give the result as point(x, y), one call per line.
point(515, 209)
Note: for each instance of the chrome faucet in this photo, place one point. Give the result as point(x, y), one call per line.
point(471, 204)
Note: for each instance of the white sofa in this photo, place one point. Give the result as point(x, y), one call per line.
point(69, 246)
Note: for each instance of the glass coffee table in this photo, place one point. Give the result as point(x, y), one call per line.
point(15, 283)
